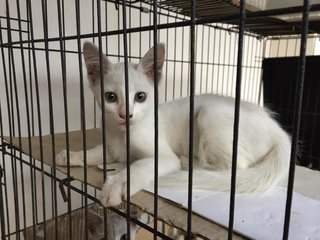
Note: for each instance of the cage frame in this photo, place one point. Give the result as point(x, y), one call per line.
point(8, 148)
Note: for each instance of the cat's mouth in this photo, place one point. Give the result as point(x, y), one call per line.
point(123, 123)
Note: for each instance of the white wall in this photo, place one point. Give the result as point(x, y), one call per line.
point(290, 46)
point(220, 49)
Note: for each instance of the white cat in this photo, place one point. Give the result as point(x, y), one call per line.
point(263, 149)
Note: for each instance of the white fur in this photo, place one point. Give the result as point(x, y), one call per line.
point(263, 149)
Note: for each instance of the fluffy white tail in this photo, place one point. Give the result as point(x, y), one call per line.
point(265, 174)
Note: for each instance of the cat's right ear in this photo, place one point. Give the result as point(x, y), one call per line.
point(147, 62)
point(91, 58)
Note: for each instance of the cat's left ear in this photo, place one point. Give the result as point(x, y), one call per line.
point(147, 62)
point(92, 59)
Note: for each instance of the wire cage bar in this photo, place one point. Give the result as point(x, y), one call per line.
point(211, 47)
point(236, 119)
point(298, 104)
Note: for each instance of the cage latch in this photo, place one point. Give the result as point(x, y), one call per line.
point(3, 147)
point(65, 182)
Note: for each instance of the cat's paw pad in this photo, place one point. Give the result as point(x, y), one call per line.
point(74, 157)
point(112, 193)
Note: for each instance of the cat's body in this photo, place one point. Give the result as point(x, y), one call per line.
point(263, 148)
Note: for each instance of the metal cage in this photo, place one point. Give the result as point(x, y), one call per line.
point(211, 47)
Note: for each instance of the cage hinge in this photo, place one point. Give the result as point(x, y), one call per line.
point(117, 2)
point(144, 10)
point(65, 182)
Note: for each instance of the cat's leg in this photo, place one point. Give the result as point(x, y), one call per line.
point(94, 157)
point(141, 174)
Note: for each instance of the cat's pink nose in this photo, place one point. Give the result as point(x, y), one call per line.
point(123, 116)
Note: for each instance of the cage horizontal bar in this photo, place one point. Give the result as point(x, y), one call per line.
point(224, 19)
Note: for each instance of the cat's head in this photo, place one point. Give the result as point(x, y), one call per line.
point(141, 84)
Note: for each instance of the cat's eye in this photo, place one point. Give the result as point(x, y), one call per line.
point(140, 97)
point(124, 237)
point(110, 97)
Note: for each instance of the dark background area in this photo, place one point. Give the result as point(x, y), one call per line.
point(279, 81)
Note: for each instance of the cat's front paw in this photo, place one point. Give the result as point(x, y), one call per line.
point(74, 157)
point(112, 192)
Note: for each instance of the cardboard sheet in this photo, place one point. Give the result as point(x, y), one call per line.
point(259, 217)
point(93, 137)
